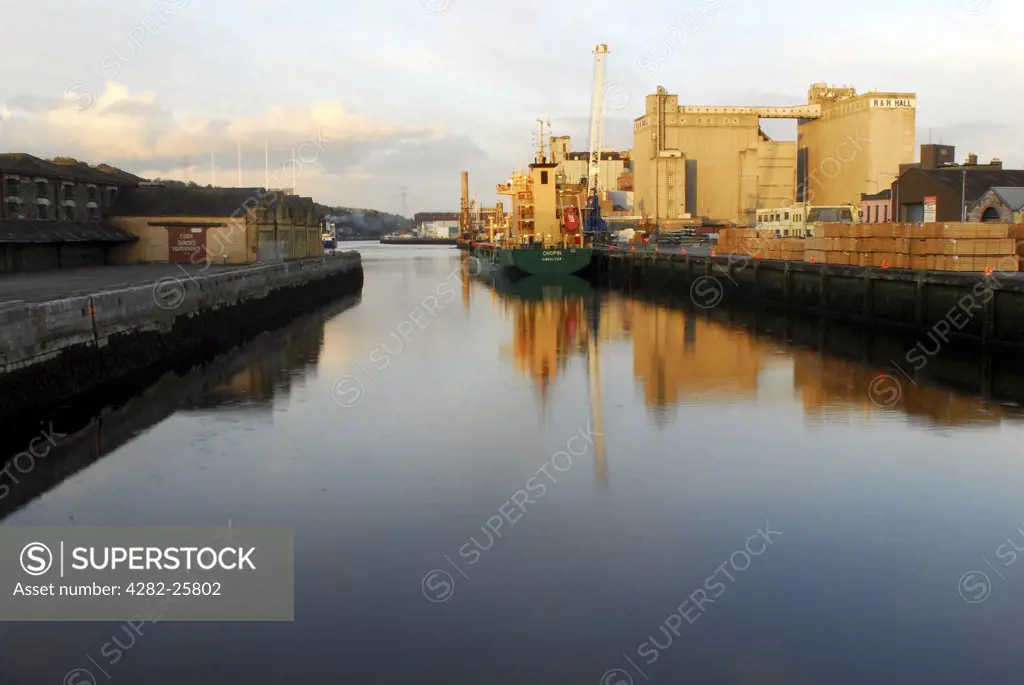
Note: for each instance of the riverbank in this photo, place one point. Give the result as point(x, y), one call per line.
point(76, 348)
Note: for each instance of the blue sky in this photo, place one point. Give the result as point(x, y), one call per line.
point(406, 93)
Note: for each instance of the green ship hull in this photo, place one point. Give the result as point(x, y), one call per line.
point(533, 261)
point(554, 262)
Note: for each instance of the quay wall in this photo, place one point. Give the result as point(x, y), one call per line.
point(971, 306)
point(418, 241)
point(73, 349)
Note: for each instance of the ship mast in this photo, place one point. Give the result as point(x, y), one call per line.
point(541, 143)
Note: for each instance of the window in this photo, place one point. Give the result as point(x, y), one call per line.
point(69, 213)
point(13, 210)
point(13, 187)
point(92, 193)
point(92, 214)
point(113, 194)
point(786, 216)
point(69, 191)
point(543, 178)
point(42, 212)
point(832, 215)
point(42, 188)
point(886, 217)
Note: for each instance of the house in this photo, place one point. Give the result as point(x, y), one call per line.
point(1001, 204)
point(876, 208)
point(52, 213)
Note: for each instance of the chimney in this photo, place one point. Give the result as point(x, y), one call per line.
point(972, 159)
point(997, 163)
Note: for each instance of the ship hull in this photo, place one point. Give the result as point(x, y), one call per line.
point(555, 262)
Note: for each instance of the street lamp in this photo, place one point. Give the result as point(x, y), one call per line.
point(963, 195)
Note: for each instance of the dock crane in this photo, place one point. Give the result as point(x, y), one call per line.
point(594, 226)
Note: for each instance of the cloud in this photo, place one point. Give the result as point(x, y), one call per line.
point(335, 147)
point(131, 128)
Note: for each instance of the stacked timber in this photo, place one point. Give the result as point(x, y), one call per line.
point(933, 246)
point(937, 247)
point(759, 244)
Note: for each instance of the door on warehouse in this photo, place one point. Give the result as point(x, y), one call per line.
point(186, 244)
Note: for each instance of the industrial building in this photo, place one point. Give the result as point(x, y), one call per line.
point(53, 213)
point(855, 146)
point(938, 190)
point(575, 165)
point(437, 224)
point(717, 162)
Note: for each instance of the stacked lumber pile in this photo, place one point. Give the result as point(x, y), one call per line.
point(759, 244)
point(939, 247)
point(936, 246)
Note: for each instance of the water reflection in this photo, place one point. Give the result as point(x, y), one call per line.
point(248, 378)
point(284, 365)
point(683, 357)
point(555, 319)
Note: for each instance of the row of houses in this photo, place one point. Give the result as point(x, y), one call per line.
point(64, 213)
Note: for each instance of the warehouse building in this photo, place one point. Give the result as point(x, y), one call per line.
point(937, 189)
point(437, 224)
point(718, 163)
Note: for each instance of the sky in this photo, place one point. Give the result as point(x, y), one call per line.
point(386, 102)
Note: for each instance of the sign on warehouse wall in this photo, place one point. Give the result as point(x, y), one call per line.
point(186, 244)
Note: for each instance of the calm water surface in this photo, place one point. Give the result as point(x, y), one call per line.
point(754, 512)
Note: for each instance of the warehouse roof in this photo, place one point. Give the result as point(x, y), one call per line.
point(975, 182)
point(64, 167)
point(41, 231)
point(183, 201)
point(420, 217)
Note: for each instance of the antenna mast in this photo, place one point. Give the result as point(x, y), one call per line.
point(541, 144)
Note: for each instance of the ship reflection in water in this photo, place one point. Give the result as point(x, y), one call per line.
point(683, 357)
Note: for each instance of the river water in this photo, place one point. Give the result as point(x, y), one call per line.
point(536, 483)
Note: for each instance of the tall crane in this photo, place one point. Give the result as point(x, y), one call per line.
point(594, 225)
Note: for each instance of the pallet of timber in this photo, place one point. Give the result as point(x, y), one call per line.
point(815, 255)
point(967, 247)
point(890, 260)
point(840, 257)
point(975, 263)
point(886, 244)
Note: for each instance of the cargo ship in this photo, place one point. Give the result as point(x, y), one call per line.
point(542, 235)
